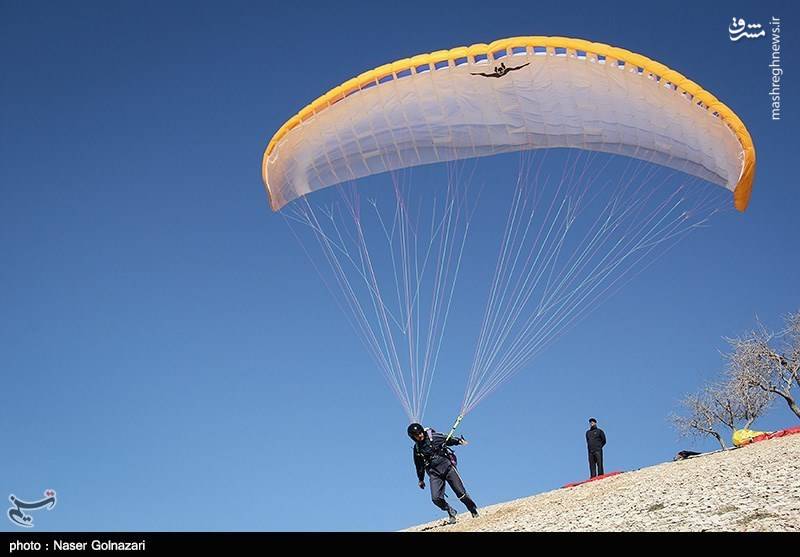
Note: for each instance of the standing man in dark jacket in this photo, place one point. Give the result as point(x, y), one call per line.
point(432, 453)
point(595, 441)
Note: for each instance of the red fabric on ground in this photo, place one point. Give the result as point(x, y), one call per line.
point(592, 479)
point(781, 433)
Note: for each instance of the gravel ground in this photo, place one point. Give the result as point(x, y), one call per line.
point(754, 488)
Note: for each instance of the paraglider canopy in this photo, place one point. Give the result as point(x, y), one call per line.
point(514, 94)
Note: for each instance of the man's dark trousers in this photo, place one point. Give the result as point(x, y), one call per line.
point(596, 462)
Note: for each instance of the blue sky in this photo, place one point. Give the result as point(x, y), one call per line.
point(170, 360)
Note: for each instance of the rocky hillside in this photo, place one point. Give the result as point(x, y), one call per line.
point(753, 488)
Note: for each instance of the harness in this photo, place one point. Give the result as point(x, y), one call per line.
point(442, 450)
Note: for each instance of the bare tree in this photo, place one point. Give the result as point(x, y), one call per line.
point(734, 406)
point(750, 402)
point(726, 404)
point(699, 418)
point(768, 362)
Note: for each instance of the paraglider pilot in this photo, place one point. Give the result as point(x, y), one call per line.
point(432, 453)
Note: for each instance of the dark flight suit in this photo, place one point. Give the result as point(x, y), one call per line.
point(595, 440)
point(431, 455)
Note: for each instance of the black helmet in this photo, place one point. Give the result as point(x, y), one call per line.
point(415, 429)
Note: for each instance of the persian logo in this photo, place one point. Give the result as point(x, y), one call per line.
point(17, 515)
point(499, 71)
point(738, 29)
